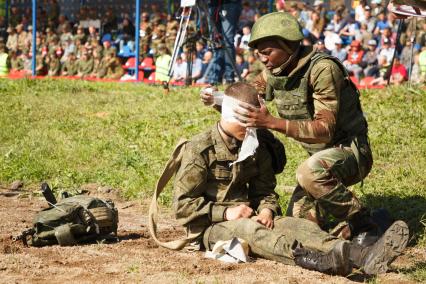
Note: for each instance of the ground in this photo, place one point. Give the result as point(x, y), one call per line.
point(136, 257)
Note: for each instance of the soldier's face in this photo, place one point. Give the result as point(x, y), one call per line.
point(235, 129)
point(271, 54)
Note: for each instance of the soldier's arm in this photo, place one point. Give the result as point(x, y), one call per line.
point(326, 80)
point(262, 188)
point(190, 205)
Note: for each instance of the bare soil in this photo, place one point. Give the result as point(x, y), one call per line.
point(136, 257)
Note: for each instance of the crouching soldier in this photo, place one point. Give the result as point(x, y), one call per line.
point(224, 188)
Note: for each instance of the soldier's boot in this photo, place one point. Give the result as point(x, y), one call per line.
point(335, 262)
point(376, 258)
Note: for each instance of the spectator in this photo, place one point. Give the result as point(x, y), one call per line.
point(200, 49)
point(162, 63)
point(247, 15)
point(16, 62)
point(406, 54)
point(69, 67)
point(14, 17)
point(242, 66)
point(321, 47)
point(53, 65)
point(422, 62)
point(338, 22)
point(80, 35)
point(126, 35)
point(180, 69)
point(387, 51)
point(364, 36)
point(208, 56)
point(416, 75)
point(382, 23)
point(399, 72)
point(350, 30)
point(54, 11)
point(338, 51)
point(245, 39)
point(12, 39)
point(93, 34)
point(255, 67)
point(84, 65)
point(370, 62)
point(315, 25)
point(388, 35)
point(114, 68)
point(4, 61)
point(360, 11)
point(369, 20)
point(22, 36)
point(354, 59)
point(280, 5)
point(330, 37)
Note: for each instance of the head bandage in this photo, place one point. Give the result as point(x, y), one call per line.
point(250, 142)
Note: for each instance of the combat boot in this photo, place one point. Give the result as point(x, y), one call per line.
point(335, 262)
point(376, 258)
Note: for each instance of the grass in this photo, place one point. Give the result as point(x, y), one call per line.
point(73, 132)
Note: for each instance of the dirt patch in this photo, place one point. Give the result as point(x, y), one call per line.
point(136, 257)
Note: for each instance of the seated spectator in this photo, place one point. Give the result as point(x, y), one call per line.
point(315, 25)
point(320, 46)
point(84, 64)
point(399, 73)
point(16, 63)
point(369, 61)
point(179, 71)
point(255, 67)
point(247, 15)
point(80, 35)
point(12, 39)
point(330, 37)
point(382, 23)
point(242, 67)
point(363, 35)
point(369, 20)
point(41, 66)
point(69, 67)
point(245, 39)
point(126, 35)
point(4, 61)
point(114, 68)
point(387, 51)
point(351, 30)
point(22, 37)
point(200, 49)
point(406, 54)
point(338, 51)
point(422, 62)
point(93, 34)
point(205, 67)
point(416, 75)
point(354, 59)
point(162, 63)
point(53, 65)
point(387, 35)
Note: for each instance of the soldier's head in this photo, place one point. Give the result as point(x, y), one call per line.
point(234, 94)
point(277, 37)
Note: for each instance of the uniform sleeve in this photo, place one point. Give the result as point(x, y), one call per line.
point(326, 80)
point(262, 187)
point(190, 185)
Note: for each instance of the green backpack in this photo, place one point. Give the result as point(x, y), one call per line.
point(73, 220)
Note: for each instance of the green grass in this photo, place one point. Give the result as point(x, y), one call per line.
point(70, 133)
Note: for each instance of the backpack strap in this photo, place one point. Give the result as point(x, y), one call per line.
point(170, 169)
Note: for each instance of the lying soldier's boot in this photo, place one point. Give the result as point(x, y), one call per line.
point(376, 258)
point(335, 262)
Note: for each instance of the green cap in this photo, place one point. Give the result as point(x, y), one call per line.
point(277, 24)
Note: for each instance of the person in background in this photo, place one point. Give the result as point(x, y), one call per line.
point(162, 63)
point(320, 46)
point(208, 56)
point(353, 62)
point(242, 66)
point(84, 64)
point(369, 20)
point(179, 73)
point(255, 67)
point(338, 51)
point(399, 73)
point(370, 62)
point(247, 15)
point(244, 48)
point(4, 61)
point(386, 50)
point(53, 65)
point(69, 67)
point(12, 39)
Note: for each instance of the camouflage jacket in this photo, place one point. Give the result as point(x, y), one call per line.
point(206, 184)
point(326, 83)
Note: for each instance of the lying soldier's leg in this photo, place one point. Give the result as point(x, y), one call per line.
point(273, 244)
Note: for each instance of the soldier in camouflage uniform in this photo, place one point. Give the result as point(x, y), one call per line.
point(54, 64)
point(69, 68)
point(216, 200)
point(319, 107)
point(114, 68)
point(84, 64)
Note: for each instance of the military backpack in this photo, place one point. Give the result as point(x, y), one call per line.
point(73, 220)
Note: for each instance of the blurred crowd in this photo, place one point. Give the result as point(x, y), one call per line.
point(363, 37)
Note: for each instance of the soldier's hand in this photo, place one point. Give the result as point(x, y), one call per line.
point(266, 218)
point(251, 116)
point(206, 95)
point(237, 212)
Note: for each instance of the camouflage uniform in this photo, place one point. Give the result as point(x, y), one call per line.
point(206, 185)
point(85, 66)
point(321, 110)
point(54, 66)
point(69, 68)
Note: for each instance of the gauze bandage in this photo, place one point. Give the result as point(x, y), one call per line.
point(250, 142)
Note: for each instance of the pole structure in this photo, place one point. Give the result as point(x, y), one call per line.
point(33, 58)
point(271, 6)
point(7, 13)
point(169, 7)
point(137, 30)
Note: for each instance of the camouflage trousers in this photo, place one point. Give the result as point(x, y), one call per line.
point(322, 194)
point(275, 244)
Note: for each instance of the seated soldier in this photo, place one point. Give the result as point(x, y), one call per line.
point(222, 193)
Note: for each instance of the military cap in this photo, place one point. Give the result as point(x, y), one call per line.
point(279, 25)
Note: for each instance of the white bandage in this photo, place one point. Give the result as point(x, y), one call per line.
point(250, 142)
